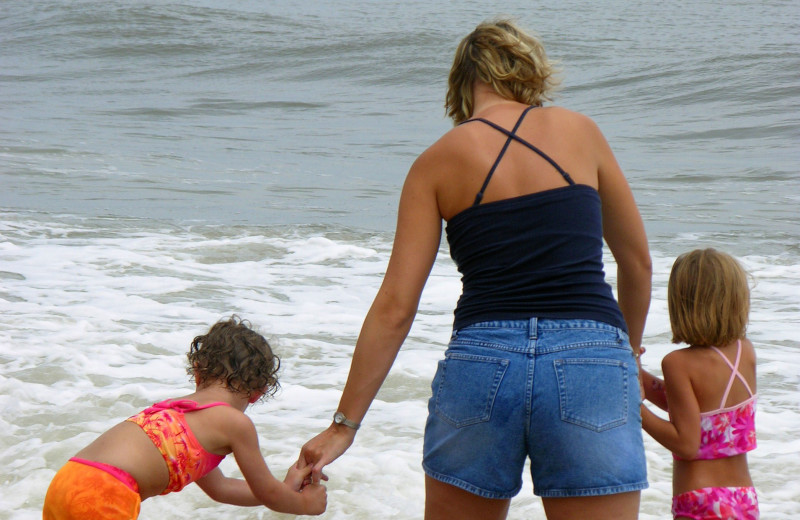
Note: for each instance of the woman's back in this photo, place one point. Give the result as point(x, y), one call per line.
point(465, 156)
point(526, 236)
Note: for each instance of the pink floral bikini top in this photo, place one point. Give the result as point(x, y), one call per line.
point(166, 426)
point(730, 431)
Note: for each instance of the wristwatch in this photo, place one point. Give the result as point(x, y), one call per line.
point(339, 418)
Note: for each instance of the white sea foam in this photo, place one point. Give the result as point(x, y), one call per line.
point(203, 124)
point(95, 321)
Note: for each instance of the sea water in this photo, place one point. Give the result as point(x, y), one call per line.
point(164, 165)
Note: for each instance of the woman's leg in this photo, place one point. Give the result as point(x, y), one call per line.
point(446, 502)
point(621, 506)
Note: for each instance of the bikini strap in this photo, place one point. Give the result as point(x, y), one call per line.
point(182, 406)
point(734, 372)
point(512, 136)
point(210, 405)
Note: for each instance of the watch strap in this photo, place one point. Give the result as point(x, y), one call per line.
point(340, 418)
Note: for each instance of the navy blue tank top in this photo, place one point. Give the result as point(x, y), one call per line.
point(537, 255)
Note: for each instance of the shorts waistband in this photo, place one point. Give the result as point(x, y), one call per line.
point(536, 325)
point(123, 476)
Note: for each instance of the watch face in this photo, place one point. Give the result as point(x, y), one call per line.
point(340, 418)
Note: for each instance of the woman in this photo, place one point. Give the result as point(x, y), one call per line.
point(539, 364)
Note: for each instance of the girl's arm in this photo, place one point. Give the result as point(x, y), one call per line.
point(652, 386)
point(681, 433)
point(259, 486)
point(227, 490)
point(623, 231)
point(237, 492)
point(388, 321)
point(654, 389)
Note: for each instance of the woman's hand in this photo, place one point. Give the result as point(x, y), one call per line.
point(324, 449)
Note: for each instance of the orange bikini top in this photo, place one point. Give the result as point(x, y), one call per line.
point(166, 426)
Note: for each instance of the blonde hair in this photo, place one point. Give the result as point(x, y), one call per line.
point(708, 298)
point(502, 55)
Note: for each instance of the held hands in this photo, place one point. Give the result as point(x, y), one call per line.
point(297, 478)
point(315, 496)
point(651, 386)
point(305, 475)
point(641, 373)
point(324, 449)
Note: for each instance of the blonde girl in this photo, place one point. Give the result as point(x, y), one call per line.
point(710, 388)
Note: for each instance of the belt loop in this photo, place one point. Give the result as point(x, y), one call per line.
point(533, 327)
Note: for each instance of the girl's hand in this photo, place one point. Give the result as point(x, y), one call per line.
point(316, 498)
point(297, 478)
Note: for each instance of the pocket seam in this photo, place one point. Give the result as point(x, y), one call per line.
point(496, 379)
point(571, 417)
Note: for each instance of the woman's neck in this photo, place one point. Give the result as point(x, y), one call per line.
point(485, 98)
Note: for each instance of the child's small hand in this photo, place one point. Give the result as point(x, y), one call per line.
point(316, 498)
point(296, 478)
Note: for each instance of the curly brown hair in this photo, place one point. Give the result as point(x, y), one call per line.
point(232, 352)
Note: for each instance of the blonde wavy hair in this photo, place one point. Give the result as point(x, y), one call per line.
point(708, 298)
point(499, 53)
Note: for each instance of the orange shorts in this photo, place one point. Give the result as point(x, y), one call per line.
point(82, 492)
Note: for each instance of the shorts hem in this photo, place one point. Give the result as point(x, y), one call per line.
point(591, 492)
point(471, 488)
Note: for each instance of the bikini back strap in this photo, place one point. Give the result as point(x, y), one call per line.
point(210, 405)
point(734, 372)
point(182, 406)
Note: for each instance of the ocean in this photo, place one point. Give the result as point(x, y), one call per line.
point(166, 164)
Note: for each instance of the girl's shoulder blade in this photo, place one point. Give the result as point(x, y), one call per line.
point(681, 355)
point(687, 361)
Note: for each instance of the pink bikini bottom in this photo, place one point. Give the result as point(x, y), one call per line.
point(717, 503)
point(122, 476)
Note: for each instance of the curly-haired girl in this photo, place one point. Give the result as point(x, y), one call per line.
point(179, 441)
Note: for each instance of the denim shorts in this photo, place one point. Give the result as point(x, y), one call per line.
point(563, 393)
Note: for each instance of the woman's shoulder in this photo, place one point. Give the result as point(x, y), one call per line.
point(448, 150)
point(563, 113)
point(571, 119)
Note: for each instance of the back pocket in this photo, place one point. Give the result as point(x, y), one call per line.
point(593, 393)
point(467, 387)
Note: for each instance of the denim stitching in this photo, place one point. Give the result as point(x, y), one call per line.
point(497, 377)
point(567, 412)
